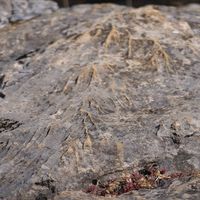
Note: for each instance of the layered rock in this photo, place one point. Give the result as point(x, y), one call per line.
point(98, 91)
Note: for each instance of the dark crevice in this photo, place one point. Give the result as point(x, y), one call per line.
point(2, 85)
point(2, 95)
point(157, 129)
point(8, 124)
point(176, 138)
point(192, 135)
point(2, 81)
point(26, 55)
point(47, 183)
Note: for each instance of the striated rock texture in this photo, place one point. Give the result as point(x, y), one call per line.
point(95, 91)
point(15, 10)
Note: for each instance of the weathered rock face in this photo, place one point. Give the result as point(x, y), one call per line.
point(95, 92)
point(15, 10)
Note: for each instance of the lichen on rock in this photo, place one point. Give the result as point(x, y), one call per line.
point(95, 91)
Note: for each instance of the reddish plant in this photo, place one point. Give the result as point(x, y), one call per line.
point(149, 177)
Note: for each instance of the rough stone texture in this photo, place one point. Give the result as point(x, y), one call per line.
point(5, 12)
point(96, 90)
point(15, 10)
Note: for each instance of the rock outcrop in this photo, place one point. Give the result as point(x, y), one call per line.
point(96, 92)
point(17, 10)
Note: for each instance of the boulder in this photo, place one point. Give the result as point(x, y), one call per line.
point(94, 93)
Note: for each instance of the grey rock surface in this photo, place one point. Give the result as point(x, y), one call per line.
point(16, 10)
point(5, 12)
point(94, 91)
